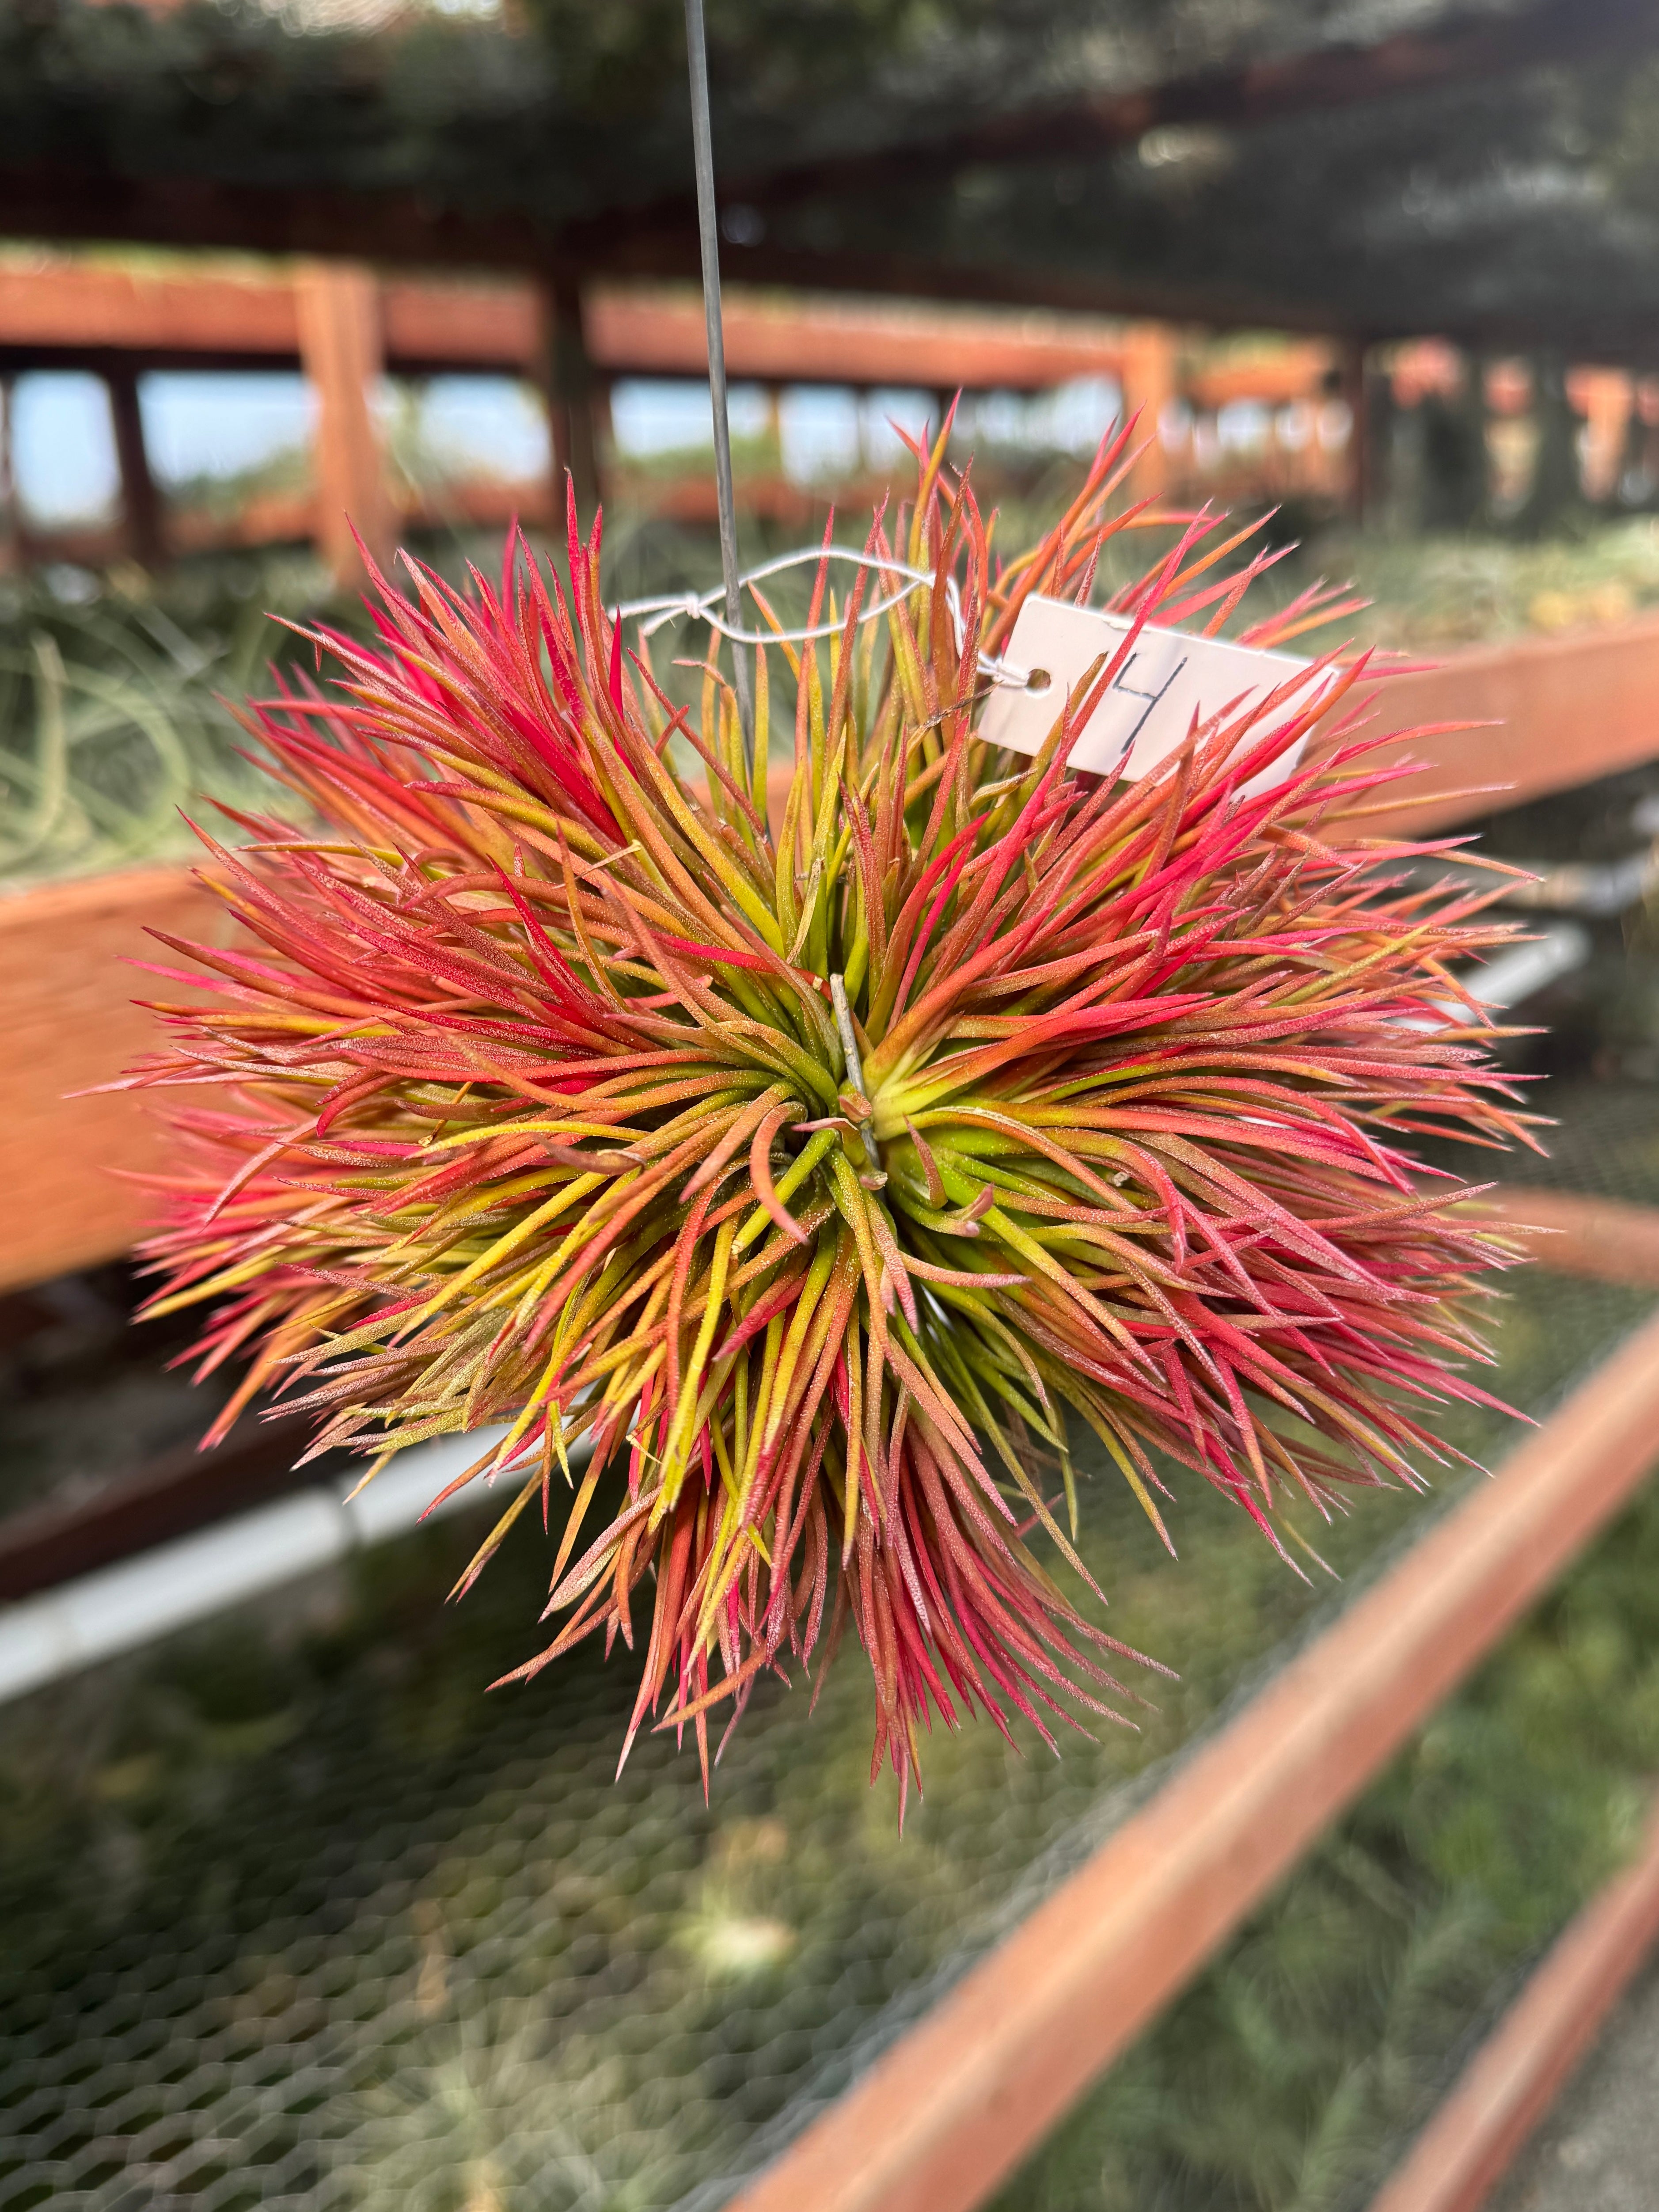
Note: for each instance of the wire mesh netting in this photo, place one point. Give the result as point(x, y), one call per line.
point(295, 1915)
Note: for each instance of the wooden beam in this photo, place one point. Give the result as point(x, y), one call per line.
point(168, 1495)
point(338, 313)
point(75, 315)
point(428, 325)
point(82, 311)
point(1514, 2078)
point(658, 330)
point(949, 2113)
point(1599, 1238)
point(1544, 714)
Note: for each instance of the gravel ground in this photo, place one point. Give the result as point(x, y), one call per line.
point(1599, 2150)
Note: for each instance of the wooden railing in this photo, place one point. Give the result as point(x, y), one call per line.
point(343, 326)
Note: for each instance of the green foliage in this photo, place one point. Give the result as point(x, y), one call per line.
point(1433, 594)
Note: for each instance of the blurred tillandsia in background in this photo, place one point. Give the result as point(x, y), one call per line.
point(113, 720)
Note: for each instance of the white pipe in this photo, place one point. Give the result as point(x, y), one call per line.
point(1515, 975)
point(115, 1609)
point(1521, 970)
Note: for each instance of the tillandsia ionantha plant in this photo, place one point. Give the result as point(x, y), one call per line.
point(819, 1180)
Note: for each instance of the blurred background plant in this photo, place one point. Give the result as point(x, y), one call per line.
point(114, 716)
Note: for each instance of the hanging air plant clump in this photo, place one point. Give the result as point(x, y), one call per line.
point(819, 1181)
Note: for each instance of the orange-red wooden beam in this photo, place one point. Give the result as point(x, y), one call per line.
point(1538, 715)
point(66, 994)
point(71, 312)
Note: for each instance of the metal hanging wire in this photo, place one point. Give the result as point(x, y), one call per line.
point(652, 614)
point(703, 145)
point(694, 606)
point(704, 607)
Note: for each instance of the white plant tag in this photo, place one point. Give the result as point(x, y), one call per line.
point(1168, 677)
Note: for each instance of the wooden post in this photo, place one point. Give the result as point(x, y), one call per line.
point(1354, 388)
point(338, 311)
point(1149, 383)
point(1607, 403)
point(11, 549)
point(568, 381)
point(141, 505)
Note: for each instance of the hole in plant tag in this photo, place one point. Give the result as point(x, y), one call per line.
point(1168, 677)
